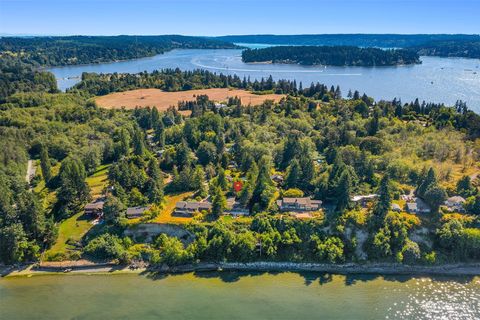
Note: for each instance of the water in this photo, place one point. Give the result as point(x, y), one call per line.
point(436, 79)
point(232, 295)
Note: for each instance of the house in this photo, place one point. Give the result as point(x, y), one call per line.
point(277, 178)
point(136, 212)
point(234, 208)
point(188, 208)
point(396, 207)
point(363, 200)
point(95, 208)
point(299, 204)
point(456, 204)
point(418, 206)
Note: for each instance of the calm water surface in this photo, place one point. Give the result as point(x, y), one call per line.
point(436, 79)
point(230, 295)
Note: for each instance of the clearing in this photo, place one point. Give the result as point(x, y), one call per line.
point(163, 100)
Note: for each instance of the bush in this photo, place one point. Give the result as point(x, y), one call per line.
point(293, 193)
point(107, 246)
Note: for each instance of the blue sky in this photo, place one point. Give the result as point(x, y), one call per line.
point(215, 17)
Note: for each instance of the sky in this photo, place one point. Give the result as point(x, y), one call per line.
point(215, 17)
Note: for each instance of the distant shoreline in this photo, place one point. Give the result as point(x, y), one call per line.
point(461, 269)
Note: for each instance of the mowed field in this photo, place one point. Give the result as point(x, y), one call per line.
point(162, 100)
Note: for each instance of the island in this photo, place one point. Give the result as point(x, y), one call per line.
point(331, 56)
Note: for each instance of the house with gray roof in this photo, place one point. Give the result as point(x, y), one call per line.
point(136, 212)
point(299, 204)
point(189, 208)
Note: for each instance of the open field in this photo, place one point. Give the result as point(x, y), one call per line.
point(162, 100)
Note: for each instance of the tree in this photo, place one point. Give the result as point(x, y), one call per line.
point(159, 133)
point(113, 210)
point(222, 181)
point(384, 199)
point(155, 183)
point(73, 190)
point(264, 189)
point(425, 183)
point(138, 143)
point(465, 187)
point(206, 153)
point(344, 191)
point(13, 244)
point(45, 165)
point(293, 174)
point(219, 202)
point(435, 197)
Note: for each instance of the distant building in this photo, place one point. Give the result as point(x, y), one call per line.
point(136, 212)
point(363, 200)
point(277, 178)
point(455, 203)
point(396, 207)
point(189, 208)
point(95, 208)
point(418, 206)
point(299, 204)
point(234, 208)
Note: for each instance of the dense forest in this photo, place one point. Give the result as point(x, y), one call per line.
point(332, 56)
point(357, 40)
point(327, 145)
point(464, 49)
point(72, 50)
point(443, 45)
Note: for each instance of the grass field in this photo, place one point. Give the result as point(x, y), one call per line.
point(73, 229)
point(163, 100)
point(98, 181)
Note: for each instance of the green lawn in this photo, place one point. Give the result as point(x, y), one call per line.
point(98, 181)
point(73, 229)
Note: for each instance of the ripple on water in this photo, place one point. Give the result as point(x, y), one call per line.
point(429, 299)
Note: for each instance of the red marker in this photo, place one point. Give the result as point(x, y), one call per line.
point(237, 186)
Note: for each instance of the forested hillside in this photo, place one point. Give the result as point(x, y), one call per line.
point(325, 147)
point(332, 56)
point(72, 50)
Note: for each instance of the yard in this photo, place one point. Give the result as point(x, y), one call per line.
point(70, 230)
point(165, 215)
point(73, 229)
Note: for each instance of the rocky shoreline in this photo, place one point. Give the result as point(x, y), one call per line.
point(466, 269)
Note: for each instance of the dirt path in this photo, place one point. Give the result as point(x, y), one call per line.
point(30, 171)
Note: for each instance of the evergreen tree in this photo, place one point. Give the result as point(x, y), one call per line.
point(294, 173)
point(45, 165)
point(222, 181)
point(73, 190)
point(113, 210)
point(138, 143)
point(219, 202)
point(384, 199)
point(344, 191)
point(159, 133)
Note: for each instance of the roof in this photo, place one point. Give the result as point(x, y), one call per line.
point(396, 207)
point(193, 205)
point(95, 205)
point(412, 206)
point(364, 197)
point(302, 201)
point(136, 211)
point(456, 199)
